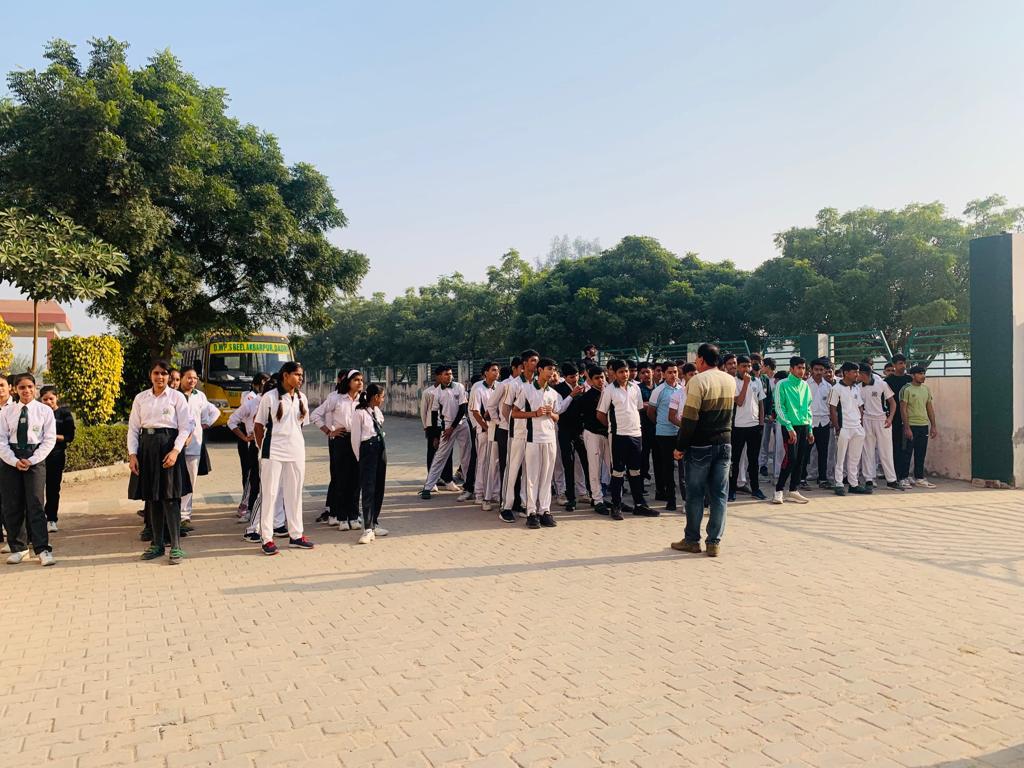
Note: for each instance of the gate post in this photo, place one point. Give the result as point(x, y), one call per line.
point(812, 346)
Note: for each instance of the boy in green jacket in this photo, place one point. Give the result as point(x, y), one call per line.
point(793, 413)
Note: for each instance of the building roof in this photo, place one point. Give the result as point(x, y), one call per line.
point(18, 313)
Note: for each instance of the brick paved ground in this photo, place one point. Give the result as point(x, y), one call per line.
point(880, 632)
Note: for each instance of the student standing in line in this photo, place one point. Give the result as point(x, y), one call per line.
point(918, 423)
point(197, 461)
point(64, 423)
point(317, 418)
point(367, 438)
point(877, 395)
point(27, 435)
point(430, 416)
point(846, 410)
point(767, 375)
point(821, 421)
point(595, 440)
point(282, 413)
point(485, 482)
point(901, 448)
point(248, 458)
point(535, 410)
point(452, 406)
point(665, 431)
point(158, 427)
point(498, 414)
point(748, 423)
point(619, 409)
point(516, 434)
point(645, 378)
point(675, 415)
point(334, 419)
point(5, 400)
point(242, 423)
point(570, 442)
point(793, 414)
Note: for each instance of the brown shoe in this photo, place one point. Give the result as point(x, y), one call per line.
point(686, 546)
point(712, 549)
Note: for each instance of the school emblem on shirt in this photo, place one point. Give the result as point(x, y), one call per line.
point(37, 429)
point(167, 411)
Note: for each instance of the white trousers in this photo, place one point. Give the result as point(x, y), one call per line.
point(460, 436)
point(286, 477)
point(599, 463)
point(255, 520)
point(192, 465)
point(513, 463)
point(772, 447)
point(849, 447)
point(540, 467)
point(486, 485)
point(877, 450)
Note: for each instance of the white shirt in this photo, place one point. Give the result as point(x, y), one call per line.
point(746, 414)
point(819, 402)
point(428, 407)
point(340, 417)
point(874, 396)
point(362, 427)
point(448, 401)
point(168, 411)
point(285, 435)
point(203, 414)
point(319, 415)
point(42, 430)
point(245, 414)
point(623, 405)
point(537, 429)
point(480, 401)
point(509, 396)
point(848, 398)
point(678, 399)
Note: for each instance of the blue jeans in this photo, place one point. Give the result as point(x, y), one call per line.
point(707, 472)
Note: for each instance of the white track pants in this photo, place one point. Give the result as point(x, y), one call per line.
point(599, 458)
point(486, 485)
point(515, 461)
point(288, 477)
point(460, 436)
point(192, 465)
point(877, 450)
point(540, 467)
point(849, 447)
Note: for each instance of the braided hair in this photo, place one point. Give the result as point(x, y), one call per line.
point(290, 367)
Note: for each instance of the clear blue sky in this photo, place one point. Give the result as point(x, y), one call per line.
point(453, 131)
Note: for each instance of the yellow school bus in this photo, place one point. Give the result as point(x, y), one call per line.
point(226, 366)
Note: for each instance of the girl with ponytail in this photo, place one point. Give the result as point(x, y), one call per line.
point(368, 445)
point(334, 418)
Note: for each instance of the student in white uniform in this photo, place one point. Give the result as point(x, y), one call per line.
point(452, 405)
point(675, 415)
point(821, 424)
point(846, 410)
point(367, 438)
point(431, 415)
point(506, 379)
point(197, 461)
point(595, 440)
point(158, 427)
point(747, 424)
point(619, 408)
point(485, 485)
point(876, 395)
point(516, 435)
point(240, 422)
point(28, 433)
point(334, 419)
point(317, 417)
point(282, 413)
point(5, 399)
point(535, 413)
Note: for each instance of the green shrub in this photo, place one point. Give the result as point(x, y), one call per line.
point(98, 446)
point(87, 373)
point(6, 347)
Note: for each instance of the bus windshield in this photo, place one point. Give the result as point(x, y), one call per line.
point(235, 370)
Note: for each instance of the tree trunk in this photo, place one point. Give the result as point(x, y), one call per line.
point(35, 335)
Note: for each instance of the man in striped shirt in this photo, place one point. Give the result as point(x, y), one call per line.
point(704, 444)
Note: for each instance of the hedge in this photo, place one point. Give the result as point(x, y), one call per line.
point(87, 372)
point(98, 446)
point(6, 347)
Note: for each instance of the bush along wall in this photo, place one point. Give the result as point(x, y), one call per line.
point(98, 446)
point(87, 373)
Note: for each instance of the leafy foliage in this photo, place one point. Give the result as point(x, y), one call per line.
point(6, 348)
point(87, 373)
point(97, 446)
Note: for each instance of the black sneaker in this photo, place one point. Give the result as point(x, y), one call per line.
point(323, 517)
point(570, 506)
point(519, 509)
point(642, 510)
point(671, 506)
point(625, 507)
point(146, 535)
point(186, 525)
point(140, 512)
point(825, 485)
point(895, 486)
point(759, 495)
point(732, 496)
point(764, 471)
point(602, 508)
point(425, 494)
point(870, 484)
point(507, 516)
point(183, 533)
point(280, 533)
point(269, 548)
point(532, 521)
point(153, 553)
point(547, 520)
point(252, 538)
point(804, 485)
point(300, 543)
point(616, 513)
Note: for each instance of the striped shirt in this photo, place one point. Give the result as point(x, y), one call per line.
point(707, 412)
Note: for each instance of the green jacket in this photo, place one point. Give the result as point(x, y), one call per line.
point(793, 402)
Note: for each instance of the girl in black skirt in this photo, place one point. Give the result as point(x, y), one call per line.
point(58, 457)
point(158, 427)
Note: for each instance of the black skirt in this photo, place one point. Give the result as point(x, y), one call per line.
point(154, 483)
point(204, 461)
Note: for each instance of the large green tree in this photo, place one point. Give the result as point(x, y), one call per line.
point(220, 233)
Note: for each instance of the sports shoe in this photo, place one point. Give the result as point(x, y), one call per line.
point(507, 516)
point(300, 543)
point(182, 532)
point(464, 496)
point(51, 526)
point(425, 494)
point(840, 490)
point(146, 534)
point(925, 484)
point(895, 486)
point(905, 484)
point(911, 482)
point(743, 489)
point(732, 497)
point(759, 495)
point(616, 513)
point(532, 521)
point(797, 497)
point(17, 557)
point(764, 472)
point(547, 520)
point(642, 510)
point(804, 485)
point(860, 489)
point(380, 531)
point(324, 517)
point(570, 506)
point(686, 546)
point(140, 512)
point(46, 557)
point(777, 497)
point(603, 508)
point(355, 525)
point(586, 500)
point(252, 538)
point(562, 500)
point(712, 548)
point(269, 548)
point(451, 487)
point(671, 506)
point(153, 553)
point(870, 484)
point(332, 522)
point(625, 507)
point(280, 533)
point(486, 506)
point(186, 526)
point(176, 556)
point(824, 485)
point(367, 537)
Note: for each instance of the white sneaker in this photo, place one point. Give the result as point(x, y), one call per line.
point(367, 537)
point(562, 500)
point(486, 506)
point(355, 525)
point(925, 484)
point(380, 531)
point(46, 557)
point(777, 498)
point(797, 497)
point(17, 557)
point(464, 496)
point(51, 526)
point(451, 487)
point(911, 482)
point(332, 521)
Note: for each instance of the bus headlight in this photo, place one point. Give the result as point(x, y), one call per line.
point(221, 404)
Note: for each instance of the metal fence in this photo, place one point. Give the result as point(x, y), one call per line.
point(857, 346)
point(945, 350)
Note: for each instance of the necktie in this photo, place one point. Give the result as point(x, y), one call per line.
point(376, 425)
point(23, 428)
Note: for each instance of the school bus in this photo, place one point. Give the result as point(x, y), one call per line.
point(226, 366)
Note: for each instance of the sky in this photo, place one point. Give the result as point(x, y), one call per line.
point(453, 131)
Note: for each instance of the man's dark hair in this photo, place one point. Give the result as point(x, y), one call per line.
point(709, 354)
point(865, 368)
point(656, 366)
point(899, 357)
point(726, 358)
point(631, 363)
point(688, 368)
point(818, 361)
point(917, 369)
point(755, 357)
point(587, 346)
point(742, 358)
point(526, 354)
point(515, 362)
point(617, 364)
point(581, 369)
point(439, 369)
point(796, 360)
point(769, 362)
point(848, 366)
point(593, 370)
point(569, 369)
point(487, 366)
point(545, 362)
point(641, 366)
point(505, 372)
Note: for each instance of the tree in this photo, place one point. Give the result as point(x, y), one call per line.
point(220, 234)
point(562, 249)
point(53, 259)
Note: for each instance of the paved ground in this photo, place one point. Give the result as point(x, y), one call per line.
point(879, 632)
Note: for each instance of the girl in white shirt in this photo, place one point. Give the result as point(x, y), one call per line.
point(334, 417)
point(197, 460)
point(282, 413)
point(367, 435)
point(248, 457)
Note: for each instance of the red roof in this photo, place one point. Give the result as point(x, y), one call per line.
point(18, 312)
